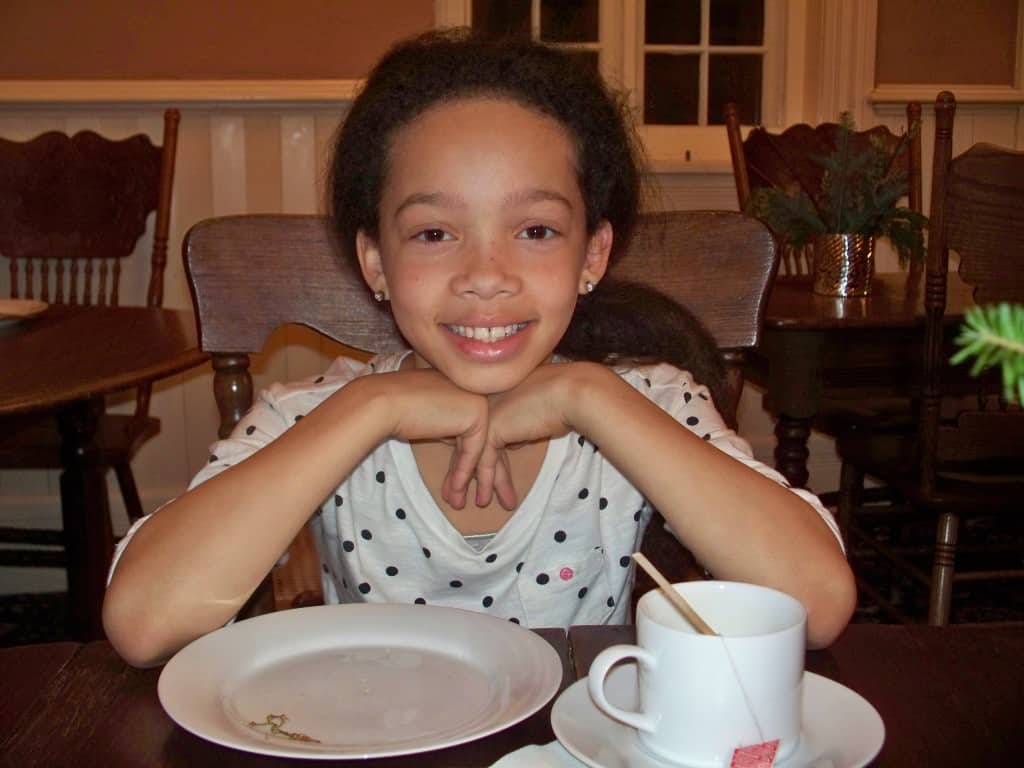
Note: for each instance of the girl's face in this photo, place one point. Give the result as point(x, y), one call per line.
point(483, 248)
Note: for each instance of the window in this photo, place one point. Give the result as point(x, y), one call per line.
point(575, 25)
point(697, 56)
point(680, 60)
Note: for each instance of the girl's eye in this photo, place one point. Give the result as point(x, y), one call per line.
point(433, 236)
point(537, 232)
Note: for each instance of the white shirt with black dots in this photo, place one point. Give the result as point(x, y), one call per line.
point(563, 558)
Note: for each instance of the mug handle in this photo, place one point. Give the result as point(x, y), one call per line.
point(599, 671)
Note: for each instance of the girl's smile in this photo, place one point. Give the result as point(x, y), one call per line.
point(483, 246)
point(489, 343)
point(487, 334)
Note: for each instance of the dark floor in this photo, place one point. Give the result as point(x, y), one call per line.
point(983, 544)
point(35, 618)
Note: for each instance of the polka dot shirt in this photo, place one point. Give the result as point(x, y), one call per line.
point(561, 559)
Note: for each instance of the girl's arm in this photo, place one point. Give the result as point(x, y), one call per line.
point(738, 523)
point(192, 566)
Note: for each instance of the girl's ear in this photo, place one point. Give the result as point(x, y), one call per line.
point(370, 262)
point(599, 246)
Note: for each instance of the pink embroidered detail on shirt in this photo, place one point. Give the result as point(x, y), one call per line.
point(566, 573)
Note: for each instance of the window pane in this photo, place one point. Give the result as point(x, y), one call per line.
point(671, 89)
point(735, 78)
point(502, 18)
point(737, 22)
point(569, 21)
point(672, 22)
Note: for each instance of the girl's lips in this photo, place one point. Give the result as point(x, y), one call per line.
point(488, 342)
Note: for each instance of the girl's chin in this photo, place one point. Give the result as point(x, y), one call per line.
point(487, 382)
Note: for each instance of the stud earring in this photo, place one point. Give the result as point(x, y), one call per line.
point(589, 286)
point(378, 296)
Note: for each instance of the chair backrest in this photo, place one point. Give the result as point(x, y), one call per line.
point(288, 268)
point(72, 209)
point(787, 161)
point(977, 210)
point(718, 264)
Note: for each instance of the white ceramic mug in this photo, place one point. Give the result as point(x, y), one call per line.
point(702, 696)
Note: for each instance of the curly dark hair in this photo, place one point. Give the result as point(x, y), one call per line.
point(447, 65)
point(616, 321)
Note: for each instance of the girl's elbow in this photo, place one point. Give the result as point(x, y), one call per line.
point(832, 608)
point(133, 634)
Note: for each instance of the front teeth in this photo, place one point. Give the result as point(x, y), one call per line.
point(489, 335)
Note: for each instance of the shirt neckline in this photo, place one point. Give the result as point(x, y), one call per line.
point(520, 522)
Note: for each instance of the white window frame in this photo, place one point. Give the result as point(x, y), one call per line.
point(677, 147)
point(702, 141)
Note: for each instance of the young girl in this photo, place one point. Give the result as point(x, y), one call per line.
point(482, 188)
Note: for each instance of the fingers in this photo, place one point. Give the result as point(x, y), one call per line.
point(492, 472)
point(485, 470)
point(503, 485)
point(494, 477)
point(455, 487)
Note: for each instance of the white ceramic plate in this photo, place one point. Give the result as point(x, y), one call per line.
point(840, 728)
point(15, 310)
point(363, 680)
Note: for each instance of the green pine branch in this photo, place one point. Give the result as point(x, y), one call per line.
point(860, 192)
point(994, 335)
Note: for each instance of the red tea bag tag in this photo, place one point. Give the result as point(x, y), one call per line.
point(755, 756)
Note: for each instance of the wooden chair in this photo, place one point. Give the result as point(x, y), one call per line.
point(963, 456)
point(287, 266)
point(719, 265)
point(787, 161)
point(72, 209)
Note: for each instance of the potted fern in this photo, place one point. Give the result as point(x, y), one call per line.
point(858, 202)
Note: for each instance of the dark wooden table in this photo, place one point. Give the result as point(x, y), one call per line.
point(68, 358)
point(949, 696)
point(815, 348)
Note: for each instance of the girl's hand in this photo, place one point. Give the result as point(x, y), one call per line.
point(424, 405)
point(539, 408)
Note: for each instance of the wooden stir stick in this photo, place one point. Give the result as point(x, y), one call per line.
point(677, 600)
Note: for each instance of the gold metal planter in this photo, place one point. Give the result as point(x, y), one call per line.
point(843, 264)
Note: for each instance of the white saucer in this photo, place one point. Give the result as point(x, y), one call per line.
point(840, 728)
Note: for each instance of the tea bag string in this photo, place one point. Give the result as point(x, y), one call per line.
point(743, 690)
point(683, 606)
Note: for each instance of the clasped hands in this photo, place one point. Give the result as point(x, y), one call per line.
point(482, 429)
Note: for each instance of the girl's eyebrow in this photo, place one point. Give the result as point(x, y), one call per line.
point(537, 196)
point(439, 199)
point(442, 200)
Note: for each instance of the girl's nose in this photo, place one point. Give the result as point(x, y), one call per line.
point(487, 272)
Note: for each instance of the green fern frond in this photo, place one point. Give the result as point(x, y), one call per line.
point(795, 220)
point(994, 335)
point(860, 192)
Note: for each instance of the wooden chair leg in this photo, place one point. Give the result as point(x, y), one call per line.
point(942, 569)
point(129, 491)
point(851, 483)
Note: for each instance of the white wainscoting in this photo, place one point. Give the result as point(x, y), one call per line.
point(270, 157)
